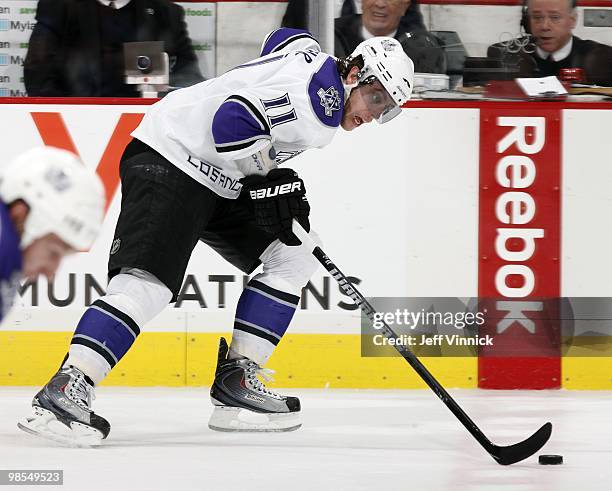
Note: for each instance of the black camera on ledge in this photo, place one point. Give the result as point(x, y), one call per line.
point(146, 65)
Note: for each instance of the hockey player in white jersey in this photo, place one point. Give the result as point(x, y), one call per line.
point(50, 206)
point(203, 166)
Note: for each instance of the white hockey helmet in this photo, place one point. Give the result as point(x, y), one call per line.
point(384, 60)
point(64, 196)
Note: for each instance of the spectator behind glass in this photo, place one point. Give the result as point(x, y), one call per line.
point(379, 18)
point(76, 48)
point(551, 23)
point(297, 17)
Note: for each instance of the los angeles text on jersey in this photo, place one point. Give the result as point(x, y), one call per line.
point(214, 174)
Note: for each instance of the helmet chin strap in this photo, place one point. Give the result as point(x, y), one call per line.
point(348, 88)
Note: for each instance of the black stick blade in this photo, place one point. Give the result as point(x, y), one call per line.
point(522, 450)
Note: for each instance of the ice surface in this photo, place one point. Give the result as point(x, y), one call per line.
point(350, 440)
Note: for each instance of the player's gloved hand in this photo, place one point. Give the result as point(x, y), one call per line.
point(277, 199)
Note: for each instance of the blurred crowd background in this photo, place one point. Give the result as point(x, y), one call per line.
point(91, 48)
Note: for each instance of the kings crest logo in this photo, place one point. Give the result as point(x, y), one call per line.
point(388, 45)
point(330, 100)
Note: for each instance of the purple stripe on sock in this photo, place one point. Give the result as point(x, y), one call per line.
point(108, 331)
point(265, 312)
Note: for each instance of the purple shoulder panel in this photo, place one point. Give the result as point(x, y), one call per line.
point(238, 124)
point(326, 93)
point(281, 38)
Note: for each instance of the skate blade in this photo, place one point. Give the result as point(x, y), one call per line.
point(43, 423)
point(226, 418)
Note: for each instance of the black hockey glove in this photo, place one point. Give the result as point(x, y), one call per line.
point(277, 199)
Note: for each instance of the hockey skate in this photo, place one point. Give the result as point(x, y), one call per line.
point(61, 411)
point(242, 402)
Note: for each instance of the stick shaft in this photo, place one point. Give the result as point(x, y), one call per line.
point(408, 355)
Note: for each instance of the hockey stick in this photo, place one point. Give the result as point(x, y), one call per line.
point(504, 455)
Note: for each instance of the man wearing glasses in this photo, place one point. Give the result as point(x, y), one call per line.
point(552, 46)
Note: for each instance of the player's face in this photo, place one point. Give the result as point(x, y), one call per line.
point(43, 256)
point(366, 102)
point(381, 17)
point(551, 22)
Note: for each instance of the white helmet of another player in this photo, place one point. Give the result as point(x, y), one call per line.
point(385, 61)
point(63, 195)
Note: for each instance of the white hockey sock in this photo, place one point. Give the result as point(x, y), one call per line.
point(109, 327)
point(89, 362)
point(252, 347)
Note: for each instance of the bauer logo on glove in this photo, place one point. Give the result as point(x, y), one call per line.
point(276, 190)
point(277, 199)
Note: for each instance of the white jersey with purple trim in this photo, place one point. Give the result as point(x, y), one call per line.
point(292, 97)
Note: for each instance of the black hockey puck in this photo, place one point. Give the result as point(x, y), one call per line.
point(550, 459)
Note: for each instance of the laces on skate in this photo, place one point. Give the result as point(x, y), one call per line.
point(253, 372)
point(81, 392)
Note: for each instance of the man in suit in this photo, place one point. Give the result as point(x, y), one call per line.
point(76, 48)
point(296, 14)
point(553, 47)
point(379, 18)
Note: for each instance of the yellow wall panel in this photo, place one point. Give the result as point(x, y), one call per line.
point(593, 373)
point(302, 360)
point(177, 359)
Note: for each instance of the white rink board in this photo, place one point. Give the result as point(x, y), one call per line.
point(385, 210)
point(389, 200)
point(396, 206)
point(587, 204)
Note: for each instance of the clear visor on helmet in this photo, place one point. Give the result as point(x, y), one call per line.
point(381, 105)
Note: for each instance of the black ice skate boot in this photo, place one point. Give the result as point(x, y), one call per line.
point(61, 411)
point(242, 402)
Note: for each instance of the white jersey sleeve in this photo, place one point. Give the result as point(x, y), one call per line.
point(291, 99)
point(295, 111)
